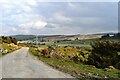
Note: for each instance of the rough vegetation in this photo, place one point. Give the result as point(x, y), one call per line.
point(8, 44)
point(105, 54)
point(8, 39)
point(97, 61)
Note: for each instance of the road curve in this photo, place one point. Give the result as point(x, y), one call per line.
point(20, 64)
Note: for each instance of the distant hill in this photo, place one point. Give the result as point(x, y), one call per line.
point(24, 37)
point(64, 37)
point(32, 37)
point(54, 37)
point(111, 36)
point(110, 33)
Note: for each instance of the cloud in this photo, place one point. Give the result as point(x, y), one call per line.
point(25, 31)
point(26, 25)
point(14, 29)
point(9, 30)
point(21, 15)
point(60, 17)
point(13, 7)
point(34, 25)
point(90, 20)
point(35, 17)
point(40, 24)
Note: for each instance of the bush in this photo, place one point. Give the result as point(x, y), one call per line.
point(104, 54)
point(46, 52)
point(8, 39)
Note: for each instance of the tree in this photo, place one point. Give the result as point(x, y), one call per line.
point(9, 39)
point(14, 41)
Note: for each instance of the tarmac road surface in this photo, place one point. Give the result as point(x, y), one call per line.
point(20, 64)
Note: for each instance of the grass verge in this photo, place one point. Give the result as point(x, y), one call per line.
point(77, 70)
point(9, 47)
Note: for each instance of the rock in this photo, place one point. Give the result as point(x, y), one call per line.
point(90, 74)
point(111, 67)
point(75, 59)
point(54, 53)
point(5, 51)
point(92, 66)
point(1, 50)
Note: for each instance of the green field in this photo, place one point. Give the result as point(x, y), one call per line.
point(80, 43)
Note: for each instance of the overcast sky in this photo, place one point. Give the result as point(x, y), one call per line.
point(35, 17)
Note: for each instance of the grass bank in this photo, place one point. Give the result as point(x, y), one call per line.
point(9, 47)
point(77, 70)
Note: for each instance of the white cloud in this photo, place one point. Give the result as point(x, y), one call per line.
point(31, 17)
point(9, 30)
point(14, 29)
point(40, 24)
point(34, 25)
point(26, 25)
point(9, 6)
point(78, 0)
point(72, 5)
point(60, 17)
point(90, 20)
point(25, 17)
point(32, 2)
point(25, 31)
point(26, 8)
point(19, 2)
point(22, 14)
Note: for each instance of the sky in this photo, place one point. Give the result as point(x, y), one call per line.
point(53, 17)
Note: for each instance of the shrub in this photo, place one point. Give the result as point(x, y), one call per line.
point(104, 54)
point(46, 52)
point(8, 39)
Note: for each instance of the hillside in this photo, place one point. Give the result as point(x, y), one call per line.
point(24, 37)
point(68, 38)
point(55, 37)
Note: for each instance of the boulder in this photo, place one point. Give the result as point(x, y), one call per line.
point(5, 51)
point(56, 54)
